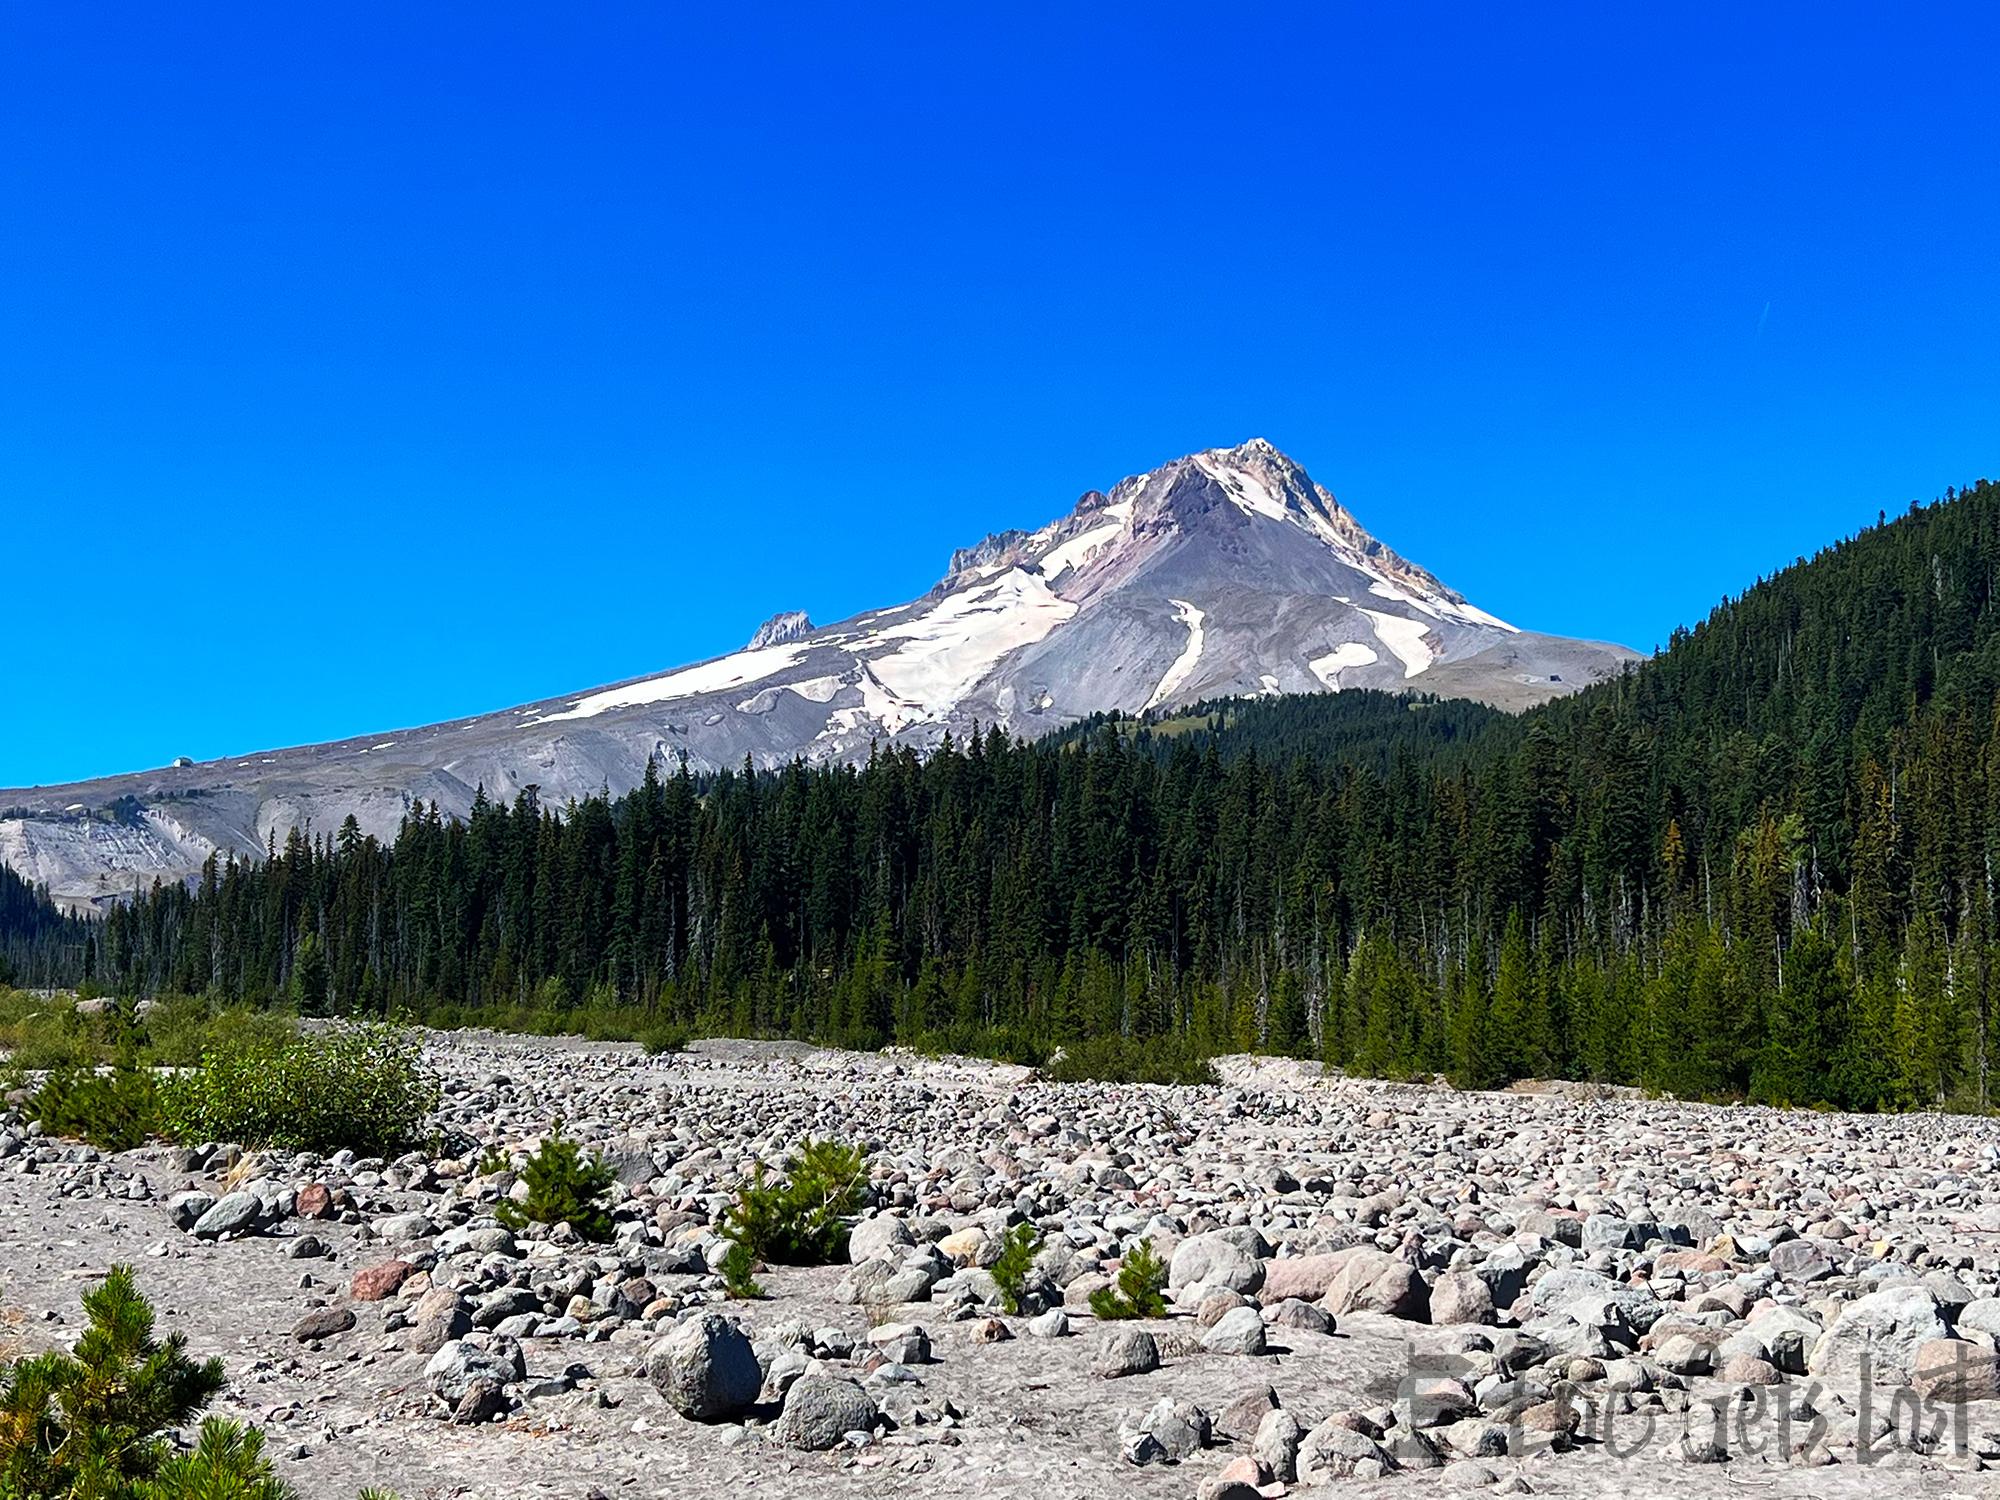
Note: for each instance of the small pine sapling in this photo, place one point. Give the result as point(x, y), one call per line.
point(90, 1423)
point(564, 1187)
point(1017, 1259)
point(1142, 1275)
point(737, 1265)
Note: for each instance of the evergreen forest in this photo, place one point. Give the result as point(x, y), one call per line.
point(1759, 865)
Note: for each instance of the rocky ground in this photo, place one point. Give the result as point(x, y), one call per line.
point(1375, 1288)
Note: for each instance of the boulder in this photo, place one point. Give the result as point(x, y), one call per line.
point(1954, 1372)
point(1276, 1445)
point(315, 1201)
point(1125, 1351)
point(1461, 1297)
point(322, 1323)
point(1180, 1428)
point(1801, 1261)
point(1371, 1281)
point(1305, 1277)
point(820, 1410)
point(484, 1399)
point(1301, 1317)
point(373, 1283)
point(1333, 1450)
point(231, 1214)
point(1213, 1261)
point(883, 1237)
point(401, 1229)
point(1881, 1332)
point(456, 1365)
point(1241, 1418)
point(706, 1369)
point(185, 1210)
point(1238, 1331)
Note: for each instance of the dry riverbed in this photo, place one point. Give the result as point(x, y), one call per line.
point(1376, 1290)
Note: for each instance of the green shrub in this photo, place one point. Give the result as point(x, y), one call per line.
point(1017, 1259)
point(226, 1463)
point(1121, 1059)
point(88, 1426)
point(1142, 1276)
point(42, 1035)
point(564, 1187)
point(800, 1219)
point(737, 1265)
point(362, 1086)
point(181, 1029)
point(667, 1036)
point(113, 1110)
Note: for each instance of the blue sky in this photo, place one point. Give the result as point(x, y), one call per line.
point(365, 366)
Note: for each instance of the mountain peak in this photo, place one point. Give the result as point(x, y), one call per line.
point(1226, 572)
point(786, 625)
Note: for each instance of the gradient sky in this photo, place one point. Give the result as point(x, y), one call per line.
point(367, 366)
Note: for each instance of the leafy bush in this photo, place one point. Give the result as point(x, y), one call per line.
point(1121, 1059)
point(1017, 1259)
point(737, 1265)
point(89, 1425)
point(1142, 1275)
point(564, 1187)
point(361, 1086)
point(41, 1035)
point(182, 1028)
point(667, 1036)
point(115, 1110)
point(800, 1219)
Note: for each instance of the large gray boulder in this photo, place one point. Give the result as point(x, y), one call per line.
point(1125, 1351)
point(883, 1237)
point(822, 1409)
point(455, 1367)
point(1238, 1331)
point(1880, 1332)
point(706, 1369)
point(1332, 1451)
point(1214, 1261)
point(231, 1214)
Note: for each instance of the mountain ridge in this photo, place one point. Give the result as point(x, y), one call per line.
point(1227, 572)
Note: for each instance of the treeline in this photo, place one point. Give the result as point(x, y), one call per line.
point(1760, 865)
point(39, 946)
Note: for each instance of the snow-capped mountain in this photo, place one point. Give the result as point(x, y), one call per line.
point(1227, 572)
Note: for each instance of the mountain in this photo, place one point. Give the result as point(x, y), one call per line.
point(1225, 573)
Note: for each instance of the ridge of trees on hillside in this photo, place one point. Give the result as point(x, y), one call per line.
point(1759, 865)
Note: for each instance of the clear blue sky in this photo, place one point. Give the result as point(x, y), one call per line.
point(365, 366)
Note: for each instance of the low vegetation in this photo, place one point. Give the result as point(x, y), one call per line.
point(801, 1218)
point(738, 1272)
point(1017, 1259)
point(1142, 1276)
point(362, 1086)
point(191, 1072)
point(96, 1424)
point(564, 1187)
point(1122, 1059)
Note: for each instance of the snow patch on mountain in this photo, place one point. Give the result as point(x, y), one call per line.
point(690, 682)
point(950, 647)
point(1327, 668)
point(1405, 640)
point(1185, 663)
point(1077, 551)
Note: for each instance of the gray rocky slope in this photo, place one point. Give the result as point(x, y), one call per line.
point(1224, 573)
point(1374, 1290)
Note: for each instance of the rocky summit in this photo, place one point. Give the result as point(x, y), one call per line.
point(1372, 1289)
point(1225, 573)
